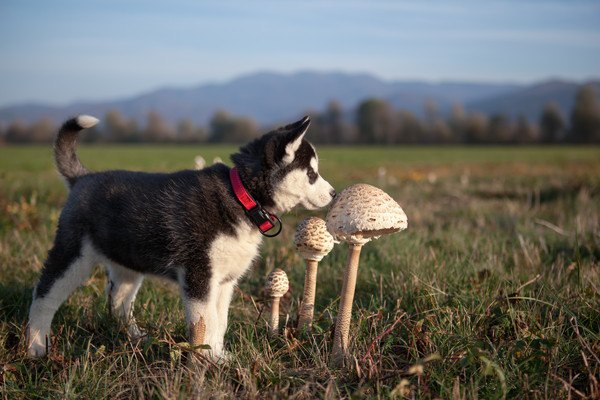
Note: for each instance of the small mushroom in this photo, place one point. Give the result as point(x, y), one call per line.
point(277, 285)
point(199, 162)
point(313, 242)
point(360, 213)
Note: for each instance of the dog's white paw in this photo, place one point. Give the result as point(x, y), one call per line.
point(135, 332)
point(36, 351)
point(38, 341)
point(204, 355)
point(223, 358)
point(36, 348)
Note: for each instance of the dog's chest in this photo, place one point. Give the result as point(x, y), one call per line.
point(231, 256)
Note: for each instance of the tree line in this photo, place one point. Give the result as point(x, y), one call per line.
point(374, 121)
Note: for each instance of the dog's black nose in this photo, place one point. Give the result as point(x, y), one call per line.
point(332, 193)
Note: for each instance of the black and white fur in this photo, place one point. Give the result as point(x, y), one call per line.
point(185, 225)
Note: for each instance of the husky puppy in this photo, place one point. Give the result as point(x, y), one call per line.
point(187, 225)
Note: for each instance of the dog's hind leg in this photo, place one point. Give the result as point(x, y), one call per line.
point(67, 267)
point(123, 285)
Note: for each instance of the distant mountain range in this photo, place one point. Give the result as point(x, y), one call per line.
point(530, 100)
point(273, 98)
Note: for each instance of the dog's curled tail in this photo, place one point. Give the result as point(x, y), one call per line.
point(66, 159)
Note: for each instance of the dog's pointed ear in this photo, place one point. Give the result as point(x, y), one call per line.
point(294, 133)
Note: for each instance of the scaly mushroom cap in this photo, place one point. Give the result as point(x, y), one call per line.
point(312, 240)
point(277, 283)
point(363, 212)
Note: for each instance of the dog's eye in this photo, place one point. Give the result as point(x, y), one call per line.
point(312, 176)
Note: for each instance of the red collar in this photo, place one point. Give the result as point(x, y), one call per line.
point(264, 220)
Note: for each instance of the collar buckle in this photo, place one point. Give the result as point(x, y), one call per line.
point(264, 220)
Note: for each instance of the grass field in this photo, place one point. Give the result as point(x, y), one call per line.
point(492, 292)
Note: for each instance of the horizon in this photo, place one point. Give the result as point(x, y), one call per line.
point(291, 73)
point(61, 52)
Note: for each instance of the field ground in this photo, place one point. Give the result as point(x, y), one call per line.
point(492, 292)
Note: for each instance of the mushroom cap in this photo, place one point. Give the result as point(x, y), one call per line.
point(277, 283)
point(363, 212)
point(312, 240)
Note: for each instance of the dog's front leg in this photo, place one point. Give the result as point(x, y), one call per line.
point(202, 318)
point(225, 295)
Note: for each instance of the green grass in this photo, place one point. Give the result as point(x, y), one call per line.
point(492, 292)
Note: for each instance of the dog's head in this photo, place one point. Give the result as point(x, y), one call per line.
point(281, 170)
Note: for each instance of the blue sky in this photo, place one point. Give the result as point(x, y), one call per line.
point(60, 51)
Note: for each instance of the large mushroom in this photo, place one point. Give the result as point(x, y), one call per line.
point(277, 285)
point(313, 242)
point(360, 213)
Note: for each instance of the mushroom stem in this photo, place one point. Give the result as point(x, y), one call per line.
point(307, 308)
point(342, 324)
point(274, 325)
